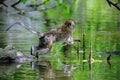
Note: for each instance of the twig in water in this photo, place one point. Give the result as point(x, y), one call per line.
point(108, 58)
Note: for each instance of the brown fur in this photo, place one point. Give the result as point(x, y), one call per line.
point(63, 33)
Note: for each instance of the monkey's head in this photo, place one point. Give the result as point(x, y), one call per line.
point(70, 25)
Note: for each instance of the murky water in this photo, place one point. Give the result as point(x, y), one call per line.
point(98, 24)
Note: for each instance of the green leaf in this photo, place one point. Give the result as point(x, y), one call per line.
point(23, 1)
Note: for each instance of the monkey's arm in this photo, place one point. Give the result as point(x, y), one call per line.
point(76, 39)
point(29, 28)
point(72, 40)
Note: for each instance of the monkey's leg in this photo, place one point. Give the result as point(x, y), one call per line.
point(35, 52)
point(43, 51)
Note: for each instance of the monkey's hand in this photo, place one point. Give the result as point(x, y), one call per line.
point(70, 40)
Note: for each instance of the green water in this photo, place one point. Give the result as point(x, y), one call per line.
point(100, 25)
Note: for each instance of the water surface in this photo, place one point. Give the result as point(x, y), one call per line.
point(100, 26)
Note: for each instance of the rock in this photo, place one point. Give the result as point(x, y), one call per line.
point(9, 47)
point(8, 51)
point(10, 54)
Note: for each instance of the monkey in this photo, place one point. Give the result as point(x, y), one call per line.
point(46, 40)
point(63, 33)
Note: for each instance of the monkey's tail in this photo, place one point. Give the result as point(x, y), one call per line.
point(29, 28)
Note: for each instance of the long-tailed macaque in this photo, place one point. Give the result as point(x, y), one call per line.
point(63, 33)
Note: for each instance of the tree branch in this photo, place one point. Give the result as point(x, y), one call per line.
point(16, 3)
point(43, 9)
point(2, 2)
point(110, 2)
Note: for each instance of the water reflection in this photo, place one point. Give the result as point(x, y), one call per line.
point(46, 71)
point(8, 68)
point(91, 70)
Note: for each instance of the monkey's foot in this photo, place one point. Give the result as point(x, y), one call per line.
point(33, 50)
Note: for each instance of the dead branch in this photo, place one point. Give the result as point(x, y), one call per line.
point(24, 12)
point(29, 28)
point(13, 5)
point(16, 3)
point(111, 2)
point(2, 2)
point(108, 58)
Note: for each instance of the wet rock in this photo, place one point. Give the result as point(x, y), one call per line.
point(10, 54)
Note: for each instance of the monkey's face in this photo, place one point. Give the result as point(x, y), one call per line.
point(70, 25)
